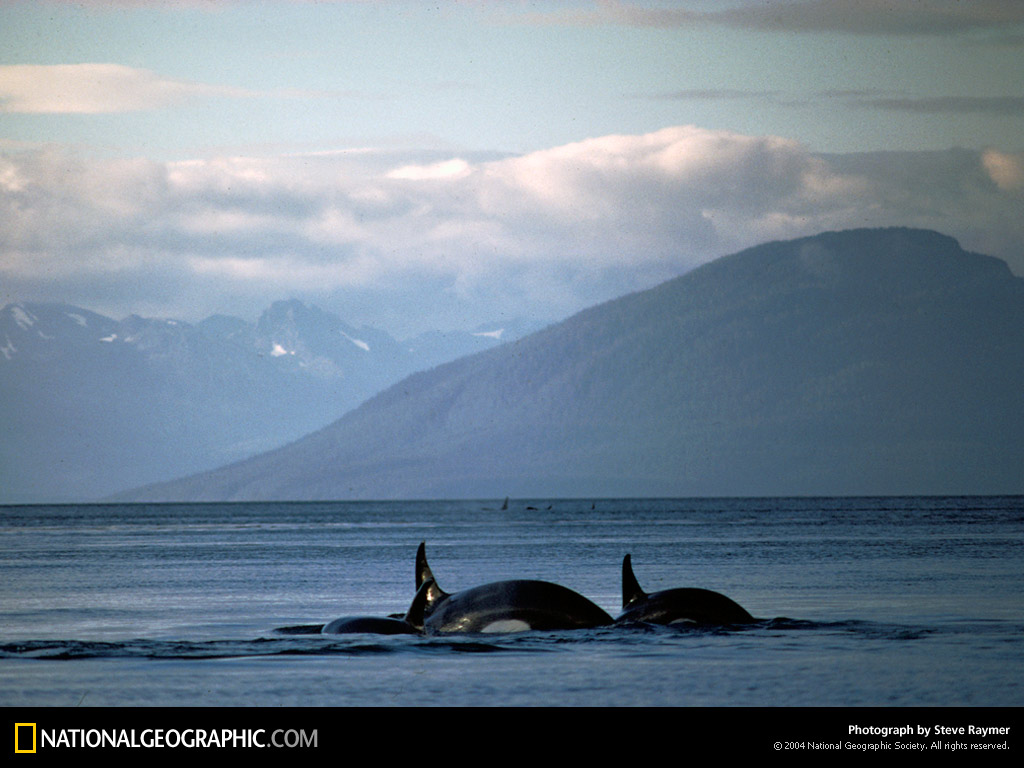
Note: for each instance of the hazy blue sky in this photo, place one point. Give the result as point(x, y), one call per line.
point(412, 164)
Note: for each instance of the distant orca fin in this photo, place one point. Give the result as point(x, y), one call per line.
point(417, 609)
point(504, 507)
point(630, 586)
point(423, 572)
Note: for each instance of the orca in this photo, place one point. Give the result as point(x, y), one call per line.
point(423, 572)
point(382, 625)
point(393, 624)
point(371, 625)
point(501, 606)
point(676, 606)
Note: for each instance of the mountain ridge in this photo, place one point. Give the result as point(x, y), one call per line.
point(93, 405)
point(846, 363)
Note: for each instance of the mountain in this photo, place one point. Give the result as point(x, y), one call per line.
point(90, 406)
point(859, 362)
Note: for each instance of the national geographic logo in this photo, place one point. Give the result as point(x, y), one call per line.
point(25, 738)
point(30, 738)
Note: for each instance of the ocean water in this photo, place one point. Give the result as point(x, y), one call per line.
point(865, 601)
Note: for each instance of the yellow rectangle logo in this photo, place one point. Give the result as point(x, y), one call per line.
point(21, 732)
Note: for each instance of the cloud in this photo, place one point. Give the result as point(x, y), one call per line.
point(210, 5)
point(96, 88)
point(445, 169)
point(1000, 106)
point(422, 238)
point(864, 17)
point(708, 94)
point(993, 106)
point(876, 17)
point(1005, 169)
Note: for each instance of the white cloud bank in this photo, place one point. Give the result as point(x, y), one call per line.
point(434, 239)
point(96, 88)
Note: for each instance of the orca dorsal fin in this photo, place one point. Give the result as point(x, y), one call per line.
point(417, 609)
point(427, 598)
point(630, 586)
point(423, 572)
point(433, 595)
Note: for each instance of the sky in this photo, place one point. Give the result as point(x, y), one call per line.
point(415, 165)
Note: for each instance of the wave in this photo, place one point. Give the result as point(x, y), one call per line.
point(623, 635)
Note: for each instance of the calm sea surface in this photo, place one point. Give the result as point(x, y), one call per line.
point(875, 601)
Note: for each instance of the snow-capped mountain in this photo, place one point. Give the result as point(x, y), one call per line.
point(90, 405)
